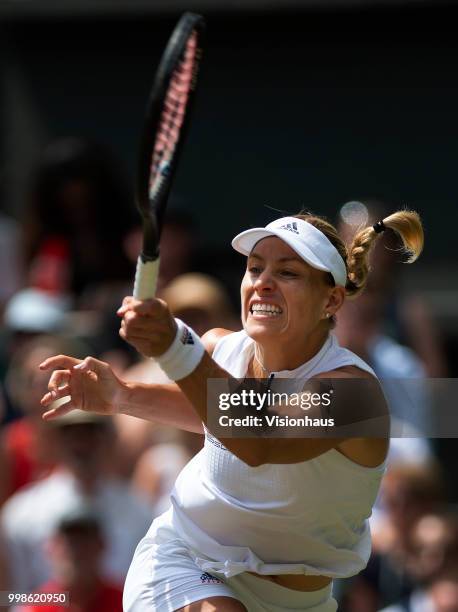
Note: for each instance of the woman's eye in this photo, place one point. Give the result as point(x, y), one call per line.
point(254, 270)
point(288, 273)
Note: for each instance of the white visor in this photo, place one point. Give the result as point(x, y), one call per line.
point(304, 238)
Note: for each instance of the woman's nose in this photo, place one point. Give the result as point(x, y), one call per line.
point(264, 282)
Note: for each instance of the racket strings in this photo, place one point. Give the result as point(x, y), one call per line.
point(173, 113)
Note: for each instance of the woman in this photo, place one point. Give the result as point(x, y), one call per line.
point(264, 523)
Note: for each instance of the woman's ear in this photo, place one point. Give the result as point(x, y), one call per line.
point(336, 298)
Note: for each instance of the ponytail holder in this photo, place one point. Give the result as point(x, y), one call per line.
point(379, 227)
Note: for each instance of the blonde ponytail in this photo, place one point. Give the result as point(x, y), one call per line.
point(405, 223)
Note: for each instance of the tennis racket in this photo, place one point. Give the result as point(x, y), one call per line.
point(166, 122)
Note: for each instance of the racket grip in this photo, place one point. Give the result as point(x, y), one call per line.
point(146, 279)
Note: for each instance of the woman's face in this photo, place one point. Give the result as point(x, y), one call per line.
point(282, 296)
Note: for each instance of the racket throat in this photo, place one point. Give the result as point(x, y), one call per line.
point(151, 237)
point(146, 258)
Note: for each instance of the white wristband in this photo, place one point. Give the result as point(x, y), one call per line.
point(183, 355)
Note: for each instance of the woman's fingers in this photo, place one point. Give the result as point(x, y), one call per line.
point(142, 343)
point(59, 362)
point(58, 387)
point(59, 408)
point(69, 382)
point(87, 384)
point(147, 325)
point(89, 370)
point(143, 324)
point(58, 379)
point(126, 305)
point(90, 364)
point(56, 394)
point(151, 309)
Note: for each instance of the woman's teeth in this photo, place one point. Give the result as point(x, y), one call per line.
point(266, 309)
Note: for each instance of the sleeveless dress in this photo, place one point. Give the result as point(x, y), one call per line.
point(307, 518)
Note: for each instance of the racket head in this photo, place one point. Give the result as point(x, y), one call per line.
point(165, 126)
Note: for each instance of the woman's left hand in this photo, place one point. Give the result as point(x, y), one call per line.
point(147, 325)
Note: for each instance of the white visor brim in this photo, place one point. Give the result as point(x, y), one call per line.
point(306, 240)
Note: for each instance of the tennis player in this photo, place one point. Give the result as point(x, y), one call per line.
point(255, 523)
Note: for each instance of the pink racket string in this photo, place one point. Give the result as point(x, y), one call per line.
point(173, 114)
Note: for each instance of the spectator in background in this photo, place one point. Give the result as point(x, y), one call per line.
point(31, 311)
point(28, 441)
point(434, 543)
point(201, 301)
point(35, 310)
point(85, 446)
point(78, 214)
point(75, 552)
point(408, 493)
point(433, 564)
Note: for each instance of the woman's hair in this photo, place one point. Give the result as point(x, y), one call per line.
point(405, 223)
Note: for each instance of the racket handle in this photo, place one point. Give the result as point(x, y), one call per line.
point(146, 279)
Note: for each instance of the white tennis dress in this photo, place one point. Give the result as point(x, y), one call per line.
point(227, 518)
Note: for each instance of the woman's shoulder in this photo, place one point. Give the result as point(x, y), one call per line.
point(344, 362)
point(214, 337)
point(347, 371)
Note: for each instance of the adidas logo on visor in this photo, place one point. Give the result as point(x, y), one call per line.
point(292, 227)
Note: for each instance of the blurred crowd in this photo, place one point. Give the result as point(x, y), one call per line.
point(78, 493)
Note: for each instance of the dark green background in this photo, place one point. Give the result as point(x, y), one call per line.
point(309, 108)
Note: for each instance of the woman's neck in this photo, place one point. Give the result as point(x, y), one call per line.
point(275, 357)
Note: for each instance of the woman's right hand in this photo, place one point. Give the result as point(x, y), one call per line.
point(89, 384)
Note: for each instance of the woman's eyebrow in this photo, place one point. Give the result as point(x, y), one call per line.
point(280, 260)
point(285, 259)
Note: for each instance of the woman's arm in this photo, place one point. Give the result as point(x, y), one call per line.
point(167, 404)
point(163, 404)
point(99, 390)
